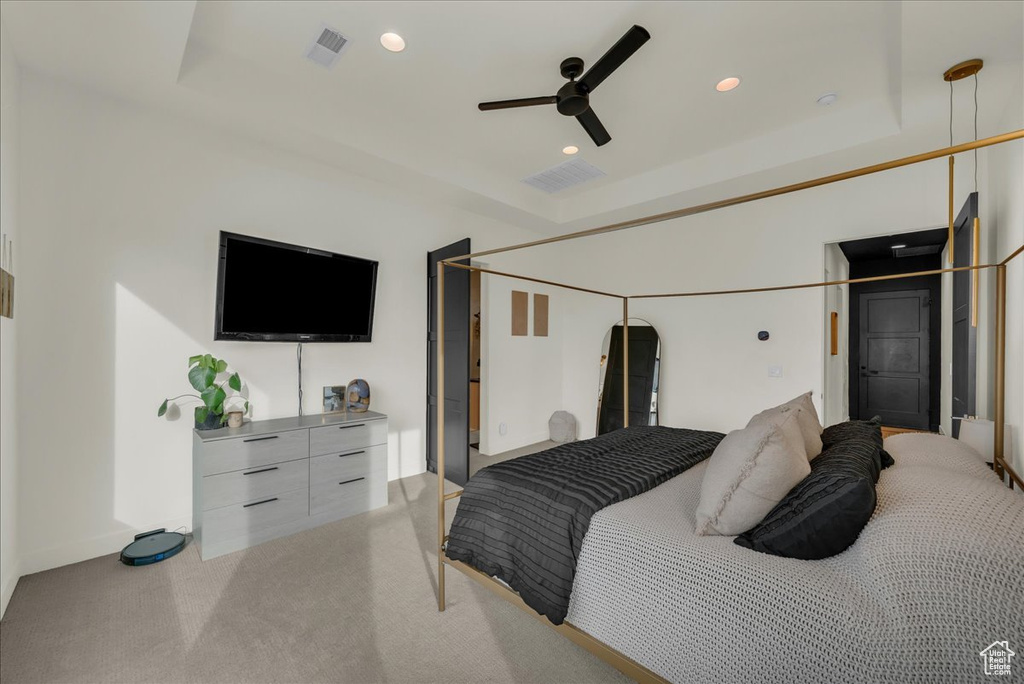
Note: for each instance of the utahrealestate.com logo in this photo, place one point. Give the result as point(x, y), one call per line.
point(997, 658)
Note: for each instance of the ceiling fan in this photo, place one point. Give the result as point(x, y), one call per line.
point(573, 99)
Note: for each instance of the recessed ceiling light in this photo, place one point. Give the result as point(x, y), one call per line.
point(827, 99)
point(570, 149)
point(392, 42)
point(898, 246)
point(727, 84)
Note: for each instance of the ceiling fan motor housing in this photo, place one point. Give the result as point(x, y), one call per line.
point(572, 99)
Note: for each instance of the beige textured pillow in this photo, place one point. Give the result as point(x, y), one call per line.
point(807, 417)
point(749, 473)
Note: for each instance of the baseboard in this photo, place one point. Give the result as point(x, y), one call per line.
point(87, 549)
point(506, 444)
point(7, 586)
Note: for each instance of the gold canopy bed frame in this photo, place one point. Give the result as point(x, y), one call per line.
point(1004, 470)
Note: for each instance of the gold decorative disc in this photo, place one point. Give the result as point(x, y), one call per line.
point(963, 70)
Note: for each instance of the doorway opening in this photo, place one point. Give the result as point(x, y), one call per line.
point(884, 338)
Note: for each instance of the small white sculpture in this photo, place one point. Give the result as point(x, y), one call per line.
point(562, 426)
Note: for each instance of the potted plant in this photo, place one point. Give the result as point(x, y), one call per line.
point(203, 374)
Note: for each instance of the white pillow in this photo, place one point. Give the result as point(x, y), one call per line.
point(807, 417)
point(750, 472)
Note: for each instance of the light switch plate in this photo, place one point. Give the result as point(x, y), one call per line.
point(774, 371)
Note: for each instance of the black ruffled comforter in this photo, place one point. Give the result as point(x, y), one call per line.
point(523, 521)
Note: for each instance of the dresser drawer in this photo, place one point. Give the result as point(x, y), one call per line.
point(242, 486)
point(347, 464)
point(253, 517)
point(349, 483)
point(227, 455)
point(355, 435)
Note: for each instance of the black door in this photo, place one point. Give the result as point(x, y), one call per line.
point(456, 355)
point(895, 357)
point(965, 337)
point(643, 355)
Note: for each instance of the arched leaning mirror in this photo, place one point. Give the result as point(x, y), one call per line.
point(644, 367)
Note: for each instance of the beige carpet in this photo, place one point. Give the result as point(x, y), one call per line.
point(353, 601)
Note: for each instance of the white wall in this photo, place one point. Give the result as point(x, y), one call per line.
point(9, 224)
point(117, 280)
point(588, 318)
point(521, 380)
point(715, 374)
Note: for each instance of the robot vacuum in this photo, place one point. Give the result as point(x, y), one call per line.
point(152, 547)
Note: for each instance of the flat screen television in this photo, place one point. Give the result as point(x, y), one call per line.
point(275, 292)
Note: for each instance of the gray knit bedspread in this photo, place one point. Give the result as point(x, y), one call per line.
point(524, 520)
point(935, 577)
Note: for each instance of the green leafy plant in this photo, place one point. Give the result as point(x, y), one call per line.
point(203, 373)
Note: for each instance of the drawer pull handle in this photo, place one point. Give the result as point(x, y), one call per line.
point(257, 503)
point(353, 480)
point(346, 427)
point(260, 439)
point(351, 453)
point(256, 472)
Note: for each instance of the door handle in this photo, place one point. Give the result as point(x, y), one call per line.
point(349, 427)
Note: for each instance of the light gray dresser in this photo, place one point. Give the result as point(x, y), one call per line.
point(271, 478)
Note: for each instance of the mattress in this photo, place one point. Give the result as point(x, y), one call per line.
point(935, 577)
point(524, 520)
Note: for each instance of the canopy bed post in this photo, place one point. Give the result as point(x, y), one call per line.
point(625, 362)
point(440, 435)
point(1000, 371)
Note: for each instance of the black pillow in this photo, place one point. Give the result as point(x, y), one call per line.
point(858, 429)
point(824, 514)
point(853, 429)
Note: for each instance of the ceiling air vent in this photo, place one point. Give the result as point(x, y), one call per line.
point(564, 176)
point(327, 48)
point(922, 250)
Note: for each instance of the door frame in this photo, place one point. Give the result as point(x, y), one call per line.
point(942, 383)
point(484, 447)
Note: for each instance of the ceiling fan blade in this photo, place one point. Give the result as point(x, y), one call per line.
point(613, 59)
point(593, 126)
point(525, 102)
